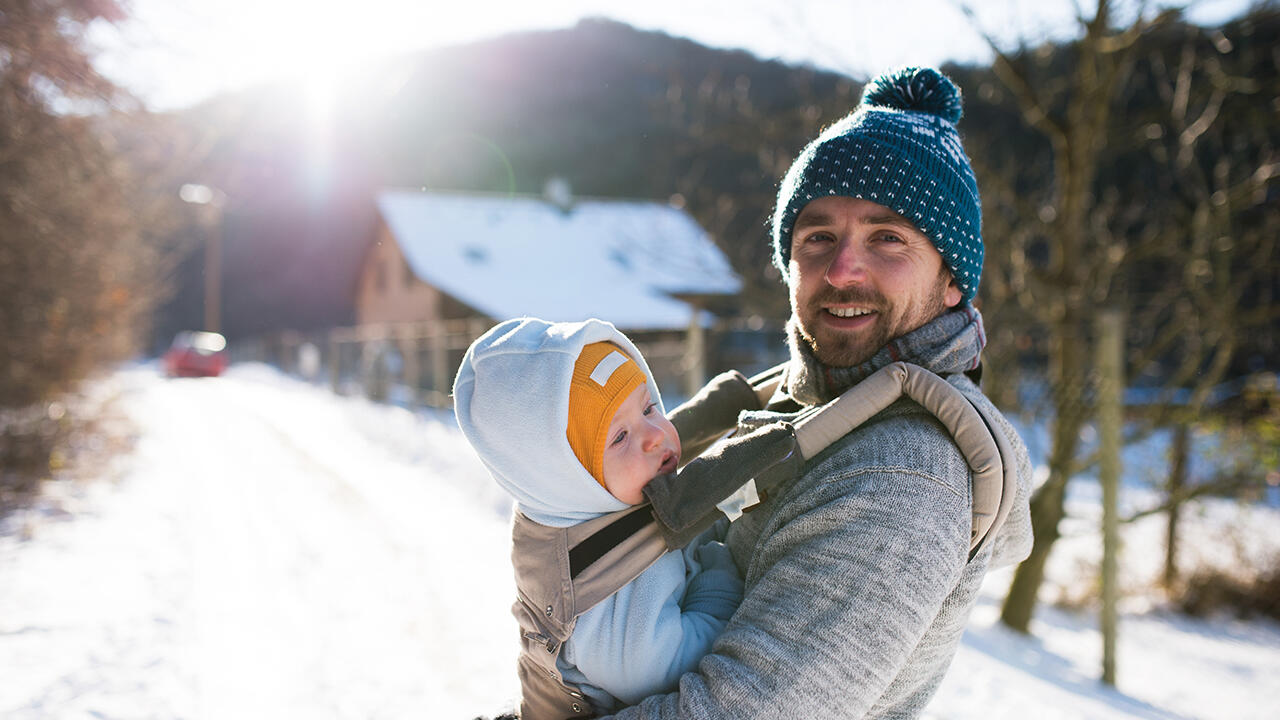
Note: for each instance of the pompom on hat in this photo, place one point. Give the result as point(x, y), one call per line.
point(900, 149)
point(603, 377)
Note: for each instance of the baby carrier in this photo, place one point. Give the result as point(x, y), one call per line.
point(563, 572)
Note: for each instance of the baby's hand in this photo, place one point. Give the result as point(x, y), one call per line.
point(715, 555)
point(717, 589)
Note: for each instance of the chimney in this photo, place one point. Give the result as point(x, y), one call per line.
point(558, 192)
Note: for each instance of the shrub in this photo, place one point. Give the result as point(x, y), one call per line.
point(1213, 591)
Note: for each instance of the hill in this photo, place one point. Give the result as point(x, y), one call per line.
point(620, 112)
point(616, 111)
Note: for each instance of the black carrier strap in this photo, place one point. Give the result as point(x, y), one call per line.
point(582, 555)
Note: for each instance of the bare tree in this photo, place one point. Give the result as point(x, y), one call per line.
point(732, 153)
point(1083, 244)
point(1074, 114)
point(1213, 153)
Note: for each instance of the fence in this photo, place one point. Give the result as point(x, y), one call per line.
point(414, 363)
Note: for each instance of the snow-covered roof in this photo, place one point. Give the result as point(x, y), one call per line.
point(514, 256)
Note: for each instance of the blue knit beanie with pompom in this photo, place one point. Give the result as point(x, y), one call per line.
point(899, 149)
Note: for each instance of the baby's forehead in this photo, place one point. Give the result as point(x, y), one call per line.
point(636, 400)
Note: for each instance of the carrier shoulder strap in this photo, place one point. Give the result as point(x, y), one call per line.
point(713, 411)
point(985, 447)
point(686, 504)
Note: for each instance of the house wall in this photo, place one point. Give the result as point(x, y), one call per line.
point(389, 292)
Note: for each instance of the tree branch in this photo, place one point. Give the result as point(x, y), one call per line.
point(1033, 108)
point(1222, 485)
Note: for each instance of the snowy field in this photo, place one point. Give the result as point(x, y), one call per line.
point(270, 550)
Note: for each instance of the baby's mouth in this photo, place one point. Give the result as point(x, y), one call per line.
point(669, 462)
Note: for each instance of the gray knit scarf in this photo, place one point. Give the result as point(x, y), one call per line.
point(950, 343)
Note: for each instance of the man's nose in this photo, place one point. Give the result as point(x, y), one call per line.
point(848, 264)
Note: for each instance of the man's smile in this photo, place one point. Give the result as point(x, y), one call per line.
point(848, 319)
point(849, 312)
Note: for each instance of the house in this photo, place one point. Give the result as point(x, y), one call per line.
point(646, 267)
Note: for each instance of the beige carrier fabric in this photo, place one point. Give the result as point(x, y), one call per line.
point(550, 597)
point(550, 601)
point(982, 444)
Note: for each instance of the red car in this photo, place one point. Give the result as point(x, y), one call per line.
point(196, 354)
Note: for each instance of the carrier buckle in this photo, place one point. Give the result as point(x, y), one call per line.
point(543, 640)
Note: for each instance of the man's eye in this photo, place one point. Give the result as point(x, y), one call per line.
point(890, 237)
point(819, 237)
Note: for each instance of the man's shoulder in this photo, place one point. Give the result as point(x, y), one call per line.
point(902, 438)
point(905, 453)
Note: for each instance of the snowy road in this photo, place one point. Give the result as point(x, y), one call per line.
point(270, 550)
point(270, 554)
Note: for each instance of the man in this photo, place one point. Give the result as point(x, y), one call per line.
point(858, 580)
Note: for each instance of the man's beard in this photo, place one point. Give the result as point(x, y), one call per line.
point(842, 349)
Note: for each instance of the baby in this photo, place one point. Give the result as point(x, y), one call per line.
point(567, 419)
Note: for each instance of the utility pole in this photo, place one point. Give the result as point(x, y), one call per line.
point(211, 202)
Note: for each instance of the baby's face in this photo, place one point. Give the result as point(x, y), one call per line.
point(641, 445)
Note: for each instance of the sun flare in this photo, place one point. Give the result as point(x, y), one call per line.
point(192, 47)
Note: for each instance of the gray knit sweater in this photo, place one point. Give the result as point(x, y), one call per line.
point(858, 585)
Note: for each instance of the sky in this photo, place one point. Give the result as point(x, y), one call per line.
point(175, 53)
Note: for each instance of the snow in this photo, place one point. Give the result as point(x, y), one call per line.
point(269, 549)
point(612, 259)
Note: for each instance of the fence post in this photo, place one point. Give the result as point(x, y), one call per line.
point(374, 371)
point(1110, 363)
point(335, 362)
point(288, 355)
point(439, 364)
point(408, 342)
point(695, 359)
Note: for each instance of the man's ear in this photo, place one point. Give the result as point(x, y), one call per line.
point(951, 297)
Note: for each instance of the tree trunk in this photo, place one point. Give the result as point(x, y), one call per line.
point(1046, 512)
point(1067, 366)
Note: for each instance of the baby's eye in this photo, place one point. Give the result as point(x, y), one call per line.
point(648, 409)
point(617, 440)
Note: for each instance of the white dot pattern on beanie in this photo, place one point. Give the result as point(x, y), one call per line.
point(921, 173)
